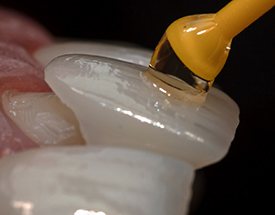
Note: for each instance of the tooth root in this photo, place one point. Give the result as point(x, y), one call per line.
point(42, 117)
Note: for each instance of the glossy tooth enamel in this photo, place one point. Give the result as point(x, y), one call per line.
point(120, 107)
point(42, 117)
point(126, 52)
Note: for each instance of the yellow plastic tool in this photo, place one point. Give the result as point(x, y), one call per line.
point(201, 43)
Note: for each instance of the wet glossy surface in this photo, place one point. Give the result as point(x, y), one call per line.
point(125, 52)
point(117, 98)
point(42, 117)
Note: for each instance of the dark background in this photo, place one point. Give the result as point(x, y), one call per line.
point(242, 182)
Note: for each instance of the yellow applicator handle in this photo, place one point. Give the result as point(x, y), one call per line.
point(239, 14)
point(202, 42)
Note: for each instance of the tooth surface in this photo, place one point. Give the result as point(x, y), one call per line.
point(126, 53)
point(12, 139)
point(119, 106)
point(42, 117)
point(115, 181)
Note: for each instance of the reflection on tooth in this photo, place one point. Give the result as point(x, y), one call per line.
point(85, 212)
point(42, 117)
point(128, 53)
point(118, 107)
point(25, 207)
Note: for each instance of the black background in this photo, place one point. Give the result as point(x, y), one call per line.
point(242, 182)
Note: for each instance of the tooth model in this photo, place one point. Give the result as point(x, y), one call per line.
point(143, 143)
point(145, 131)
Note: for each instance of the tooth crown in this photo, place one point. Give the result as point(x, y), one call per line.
point(126, 52)
point(121, 107)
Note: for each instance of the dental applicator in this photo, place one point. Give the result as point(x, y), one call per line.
point(194, 48)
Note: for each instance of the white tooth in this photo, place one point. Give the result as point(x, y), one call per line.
point(42, 117)
point(127, 52)
point(102, 180)
point(116, 105)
